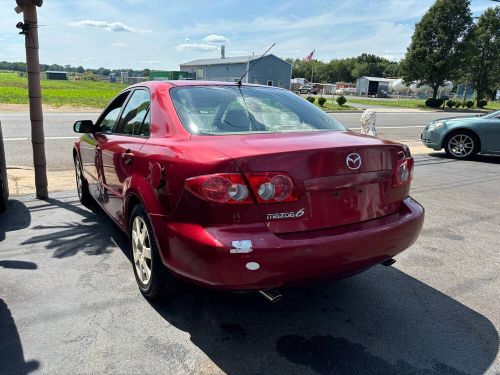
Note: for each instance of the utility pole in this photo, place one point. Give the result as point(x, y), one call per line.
point(30, 31)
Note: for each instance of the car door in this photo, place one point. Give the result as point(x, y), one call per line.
point(90, 145)
point(119, 149)
point(492, 130)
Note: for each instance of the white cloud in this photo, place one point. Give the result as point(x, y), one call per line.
point(150, 62)
point(216, 39)
point(201, 47)
point(110, 26)
point(118, 44)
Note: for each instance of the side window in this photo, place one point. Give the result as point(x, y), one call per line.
point(108, 118)
point(145, 125)
point(134, 113)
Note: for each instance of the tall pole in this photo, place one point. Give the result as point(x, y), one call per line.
point(35, 97)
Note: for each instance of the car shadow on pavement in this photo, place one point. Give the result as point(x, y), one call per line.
point(11, 351)
point(89, 231)
point(380, 322)
point(16, 217)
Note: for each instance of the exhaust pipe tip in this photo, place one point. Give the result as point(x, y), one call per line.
point(272, 296)
point(389, 262)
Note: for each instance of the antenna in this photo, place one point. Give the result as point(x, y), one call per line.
point(255, 63)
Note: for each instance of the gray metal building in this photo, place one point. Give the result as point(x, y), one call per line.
point(271, 70)
point(55, 75)
point(366, 86)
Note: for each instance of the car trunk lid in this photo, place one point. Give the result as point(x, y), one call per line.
point(335, 187)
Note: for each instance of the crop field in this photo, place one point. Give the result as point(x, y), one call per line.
point(14, 90)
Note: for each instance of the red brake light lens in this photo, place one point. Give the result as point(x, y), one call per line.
point(220, 188)
point(268, 187)
point(272, 187)
point(403, 173)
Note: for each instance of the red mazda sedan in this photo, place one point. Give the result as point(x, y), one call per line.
point(243, 187)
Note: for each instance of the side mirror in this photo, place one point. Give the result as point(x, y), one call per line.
point(83, 126)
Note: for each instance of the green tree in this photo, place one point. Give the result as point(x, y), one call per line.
point(481, 66)
point(438, 44)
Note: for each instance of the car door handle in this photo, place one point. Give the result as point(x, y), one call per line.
point(128, 157)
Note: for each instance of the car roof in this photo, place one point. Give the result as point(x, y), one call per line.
point(183, 83)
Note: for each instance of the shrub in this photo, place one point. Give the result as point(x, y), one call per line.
point(450, 103)
point(462, 104)
point(341, 100)
point(457, 104)
point(321, 101)
point(434, 103)
point(311, 99)
point(469, 104)
point(482, 103)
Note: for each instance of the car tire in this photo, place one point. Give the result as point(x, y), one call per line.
point(82, 186)
point(462, 145)
point(153, 278)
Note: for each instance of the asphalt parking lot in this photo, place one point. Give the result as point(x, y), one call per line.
point(69, 303)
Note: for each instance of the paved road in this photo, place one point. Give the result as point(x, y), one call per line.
point(69, 304)
point(60, 136)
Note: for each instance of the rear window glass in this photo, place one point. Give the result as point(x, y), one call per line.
point(216, 110)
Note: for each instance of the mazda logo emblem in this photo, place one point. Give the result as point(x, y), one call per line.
point(353, 161)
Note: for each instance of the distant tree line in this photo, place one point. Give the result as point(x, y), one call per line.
point(344, 70)
point(21, 67)
point(337, 70)
point(448, 44)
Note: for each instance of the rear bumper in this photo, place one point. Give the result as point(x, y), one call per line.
point(203, 255)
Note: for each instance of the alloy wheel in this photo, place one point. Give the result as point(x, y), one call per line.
point(141, 250)
point(461, 145)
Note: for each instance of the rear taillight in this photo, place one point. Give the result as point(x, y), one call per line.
point(267, 187)
point(403, 172)
point(220, 188)
point(272, 187)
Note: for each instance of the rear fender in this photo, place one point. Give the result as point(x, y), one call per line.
point(139, 190)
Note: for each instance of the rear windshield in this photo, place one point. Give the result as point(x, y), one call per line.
point(218, 110)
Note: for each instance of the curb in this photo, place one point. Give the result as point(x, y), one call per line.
point(346, 111)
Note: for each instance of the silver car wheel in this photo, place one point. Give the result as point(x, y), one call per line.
point(141, 250)
point(461, 145)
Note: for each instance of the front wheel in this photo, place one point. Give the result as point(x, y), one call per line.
point(153, 279)
point(461, 145)
point(82, 187)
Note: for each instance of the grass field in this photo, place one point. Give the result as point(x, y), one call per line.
point(14, 90)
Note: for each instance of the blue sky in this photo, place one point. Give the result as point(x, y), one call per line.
point(162, 34)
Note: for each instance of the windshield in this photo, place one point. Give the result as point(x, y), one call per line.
point(218, 110)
